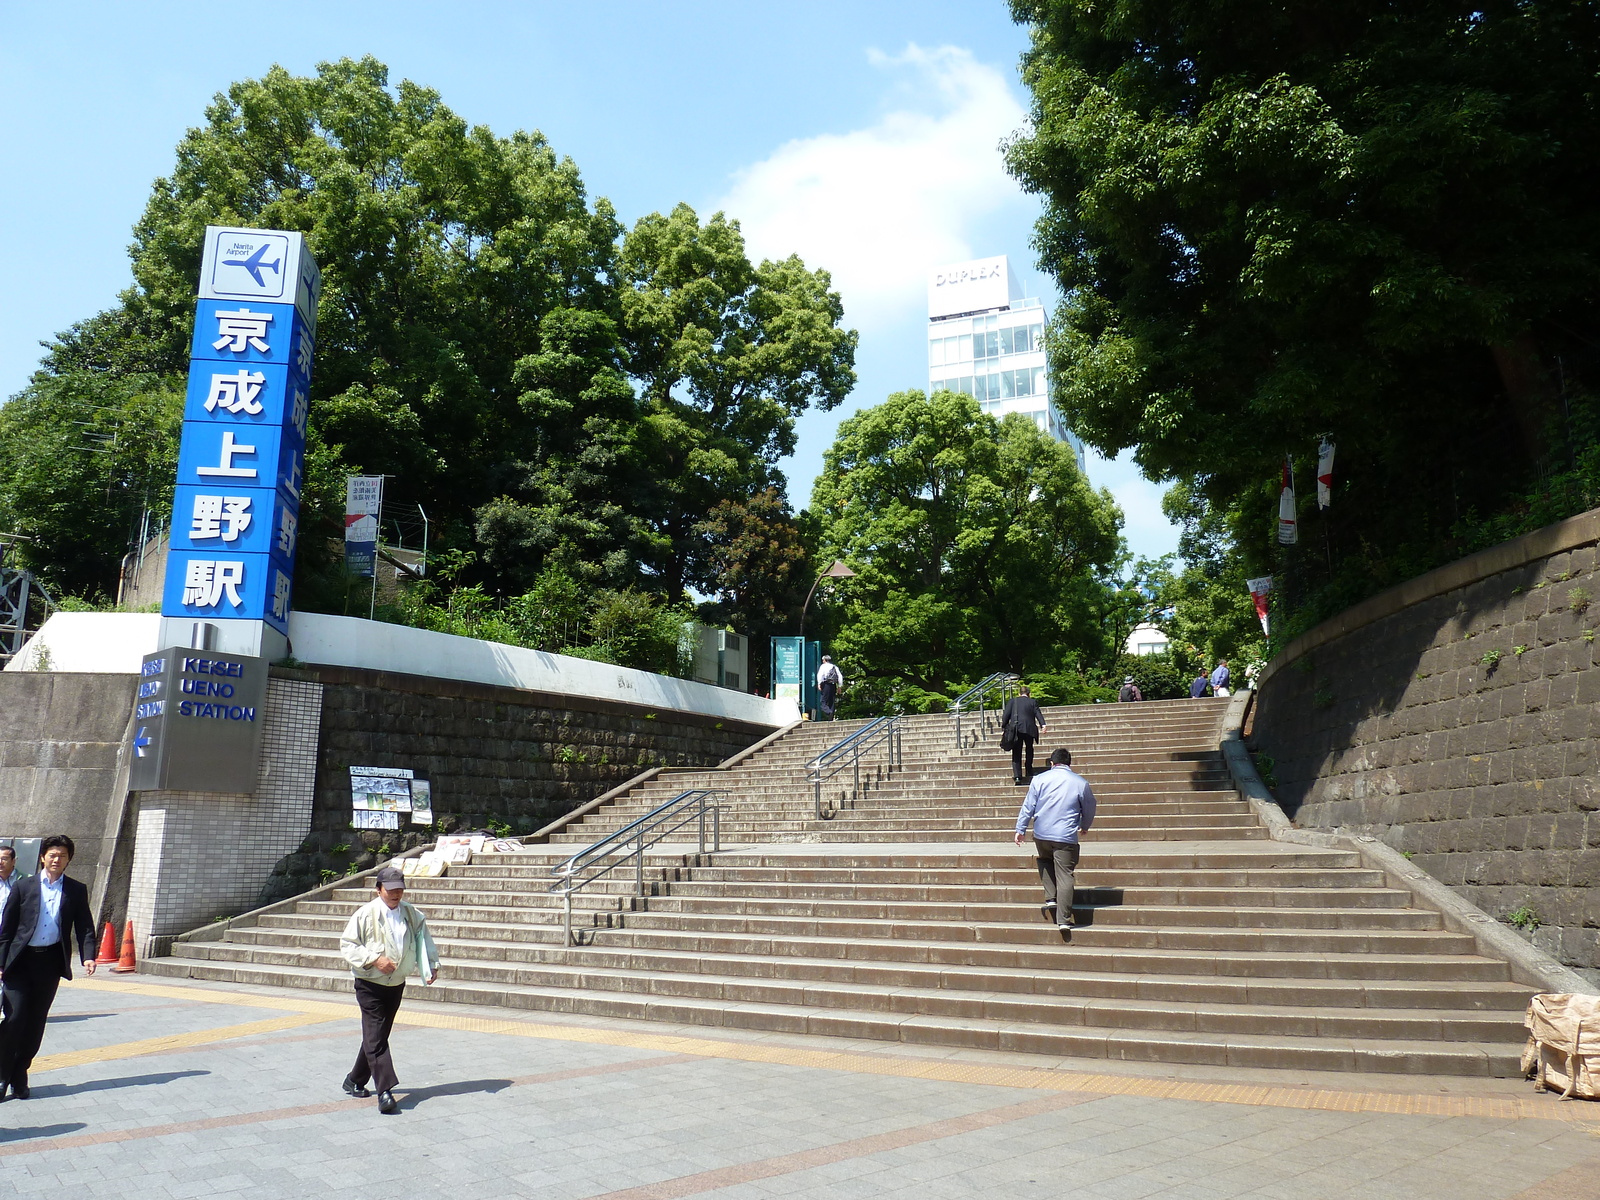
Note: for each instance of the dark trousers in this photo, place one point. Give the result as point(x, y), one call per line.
point(379, 1002)
point(1022, 757)
point(1057, 862)
point(25, 999)
point(830, 690)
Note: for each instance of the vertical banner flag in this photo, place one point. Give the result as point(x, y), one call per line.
point(236, 509)
point(363, 500)
point(1259, 590)
point(1288, 523)
point(1325, 474)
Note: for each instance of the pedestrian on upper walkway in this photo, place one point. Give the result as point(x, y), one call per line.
point(45, 915)
point(829, 680)
point(1198, 686)
point(1021, 723)
point(1060, 807)
point(1130, 691)
point(384, 941)
point(1219, 679)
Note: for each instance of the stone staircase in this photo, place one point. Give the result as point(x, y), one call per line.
point(908, 915)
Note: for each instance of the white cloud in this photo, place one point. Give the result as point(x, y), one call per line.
point(881, 205)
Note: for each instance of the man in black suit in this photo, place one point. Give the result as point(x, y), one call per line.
point(1023, 721)
point(44, 915)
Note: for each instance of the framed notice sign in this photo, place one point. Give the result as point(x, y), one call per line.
point(389, 791)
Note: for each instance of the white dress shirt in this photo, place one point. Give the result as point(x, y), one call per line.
point(397, 928)
point(48, 931)
point(5, 888)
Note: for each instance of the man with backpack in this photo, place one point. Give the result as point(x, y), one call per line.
point(1130, 691)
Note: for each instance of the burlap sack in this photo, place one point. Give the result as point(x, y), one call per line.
point(1563, 1044)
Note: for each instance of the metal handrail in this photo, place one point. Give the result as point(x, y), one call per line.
point(885, 731)
point(979, 695)
point(600, 858)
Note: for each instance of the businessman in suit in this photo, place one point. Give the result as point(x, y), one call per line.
point(1021, 716)
point(45, 915)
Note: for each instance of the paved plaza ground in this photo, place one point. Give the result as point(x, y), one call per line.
point(162, 1089)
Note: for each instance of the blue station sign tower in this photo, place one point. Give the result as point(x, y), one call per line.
point(241, 463)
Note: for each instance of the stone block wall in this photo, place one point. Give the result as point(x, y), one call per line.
point(1457, 718)
point(497, 758)
point(60, 737)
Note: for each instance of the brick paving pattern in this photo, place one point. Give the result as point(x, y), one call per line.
point(164, 1089)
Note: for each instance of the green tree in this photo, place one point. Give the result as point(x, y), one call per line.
point(1274, 221)
point(487, 336)
point(758, 572)
point(727, 355)
point(978, 545)
point(81, 458)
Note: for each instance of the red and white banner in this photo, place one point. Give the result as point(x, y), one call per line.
point(1288, 522)
point(1260, 589)
point(1325, 474)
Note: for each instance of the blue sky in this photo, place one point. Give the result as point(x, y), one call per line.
point(862, 136)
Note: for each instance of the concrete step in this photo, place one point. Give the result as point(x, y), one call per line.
point(909, 916)
point(1143, 1045)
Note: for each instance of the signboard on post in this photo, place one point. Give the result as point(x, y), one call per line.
point(787, 669)
point(198, 717)
point(363, 501)
point(241, 461)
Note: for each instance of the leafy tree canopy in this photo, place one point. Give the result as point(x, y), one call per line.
point(81, 456)
point(544, 382)
point(1275, 221)
point(977, 544)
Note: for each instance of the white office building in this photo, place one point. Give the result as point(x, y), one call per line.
point(986, 339)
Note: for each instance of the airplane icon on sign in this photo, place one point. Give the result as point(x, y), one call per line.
point(255, 266)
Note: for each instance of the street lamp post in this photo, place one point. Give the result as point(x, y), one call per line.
point(836, 570)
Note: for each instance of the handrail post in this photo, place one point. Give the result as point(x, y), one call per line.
point(639, 867)
point(855, 786)
point(702, 814)
point(716, 829)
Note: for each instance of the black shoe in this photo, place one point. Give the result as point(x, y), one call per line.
point(352, 1088)
point(1047, 910)
point(5, 1091)
point(387, 1103)
point(1065, 931)
point(21, 1091)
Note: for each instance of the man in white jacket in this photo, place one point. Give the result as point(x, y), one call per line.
point(384, 941)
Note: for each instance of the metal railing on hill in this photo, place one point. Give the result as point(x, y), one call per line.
point(988, 696)
point(883, 733)
point(628, 844)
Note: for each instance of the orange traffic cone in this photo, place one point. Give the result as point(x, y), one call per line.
point(108, 947)
point(126, 963)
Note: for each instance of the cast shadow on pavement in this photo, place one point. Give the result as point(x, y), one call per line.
point(415, 1096)
point(77, 1017)
point(43, 1091)
point(41, 1131)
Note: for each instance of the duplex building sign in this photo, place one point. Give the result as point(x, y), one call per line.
point(198, 717)
point(241, 461)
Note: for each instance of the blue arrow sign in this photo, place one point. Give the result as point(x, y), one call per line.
point(142, 742)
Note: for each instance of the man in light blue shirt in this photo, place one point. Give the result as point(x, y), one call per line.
point(1059, 806)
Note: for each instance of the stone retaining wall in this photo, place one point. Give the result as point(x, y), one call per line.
point(496, 757)
point(60, 739)
point(1457, 718)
